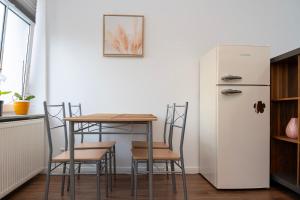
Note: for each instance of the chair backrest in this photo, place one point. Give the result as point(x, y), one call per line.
point(168, 121)
point(54, 116)
point(75, 110)
point(179, 122)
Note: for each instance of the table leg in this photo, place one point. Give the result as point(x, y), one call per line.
point(72, 170)
point(150, 159)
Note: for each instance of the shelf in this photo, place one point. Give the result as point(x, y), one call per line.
point(284, 177)
point(286, 139)
point(285, 104)
point(288, 182)
point(285, 56)
point(286, 99)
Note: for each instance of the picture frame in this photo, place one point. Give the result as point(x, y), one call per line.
point(123, 35)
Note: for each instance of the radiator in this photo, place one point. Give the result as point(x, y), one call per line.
point(21, 152)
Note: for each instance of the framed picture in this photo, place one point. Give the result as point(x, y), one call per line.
point(123, 35)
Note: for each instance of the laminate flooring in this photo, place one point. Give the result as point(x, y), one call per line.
point(198, 188)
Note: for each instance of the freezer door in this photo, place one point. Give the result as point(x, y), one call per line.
point(243, 137)
point(243, 65)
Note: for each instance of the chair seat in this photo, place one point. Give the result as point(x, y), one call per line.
point(143, 145)
point(95, 145)
point(81, 155)
point(158, 154)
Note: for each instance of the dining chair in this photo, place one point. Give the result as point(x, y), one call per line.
point(159, 144)
point(140, 155)
point(54, 119)
point(75, 110)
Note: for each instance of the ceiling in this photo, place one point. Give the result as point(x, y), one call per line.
point(28, 7)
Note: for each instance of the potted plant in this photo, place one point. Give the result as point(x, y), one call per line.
point(1, 101)
point(22, 101)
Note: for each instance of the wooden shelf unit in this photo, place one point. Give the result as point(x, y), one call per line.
point(286, 99)
point(285, 138)
point(285, 104)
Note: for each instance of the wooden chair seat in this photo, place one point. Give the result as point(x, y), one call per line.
point(81, 155)
point(95, 145)
point(143, 145)
point(158, 154)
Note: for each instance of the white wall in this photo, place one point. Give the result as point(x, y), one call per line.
point(177, 33)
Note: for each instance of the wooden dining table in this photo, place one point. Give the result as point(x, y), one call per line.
point(108, 118)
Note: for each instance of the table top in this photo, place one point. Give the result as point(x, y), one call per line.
point(110, 117)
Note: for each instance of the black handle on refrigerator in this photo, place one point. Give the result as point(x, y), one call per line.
point(231, 77)
point(230, 91)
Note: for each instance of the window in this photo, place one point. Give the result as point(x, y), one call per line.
point(15, 31)
point(2, 12)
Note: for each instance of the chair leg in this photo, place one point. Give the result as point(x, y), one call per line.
point(135, 179)
point(47, 181)
point(173, 176)
point(184, 180)
point(147, 166)
point(98, 180)
point(132, 177)
point(63, 180)
point(167, 169)
point(115, 165)
point(106, 175)
point(69, 179)
point(110, 169)
point(79, 169)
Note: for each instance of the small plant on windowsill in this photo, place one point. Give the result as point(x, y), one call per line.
point(1, 101)
point(22, 101)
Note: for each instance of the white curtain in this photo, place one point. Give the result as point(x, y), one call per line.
point(37, 81)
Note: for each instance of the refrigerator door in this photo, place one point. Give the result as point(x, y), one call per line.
point(243, 138)
point(249, 65)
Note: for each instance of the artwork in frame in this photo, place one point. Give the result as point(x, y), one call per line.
point(123, 35)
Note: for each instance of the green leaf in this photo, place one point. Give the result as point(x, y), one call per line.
point(4, 92)
point(18, 96)
point(30, 97)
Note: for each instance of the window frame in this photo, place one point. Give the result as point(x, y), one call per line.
point(9, 6)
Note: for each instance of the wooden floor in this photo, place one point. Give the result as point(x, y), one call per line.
point(198, 188)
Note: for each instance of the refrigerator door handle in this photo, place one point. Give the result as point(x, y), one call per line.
point(231, 77)
point(230, 91)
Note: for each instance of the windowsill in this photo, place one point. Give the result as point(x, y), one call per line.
point(9, 114)
point(13, 117)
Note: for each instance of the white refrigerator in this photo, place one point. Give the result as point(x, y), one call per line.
point(235, 116)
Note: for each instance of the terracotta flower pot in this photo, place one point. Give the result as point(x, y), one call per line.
point(292, 128)
point(21, 107)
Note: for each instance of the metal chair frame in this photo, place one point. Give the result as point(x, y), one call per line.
point(176, 115)
point(168, 121)
point(76, 111)
point(100, 165)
